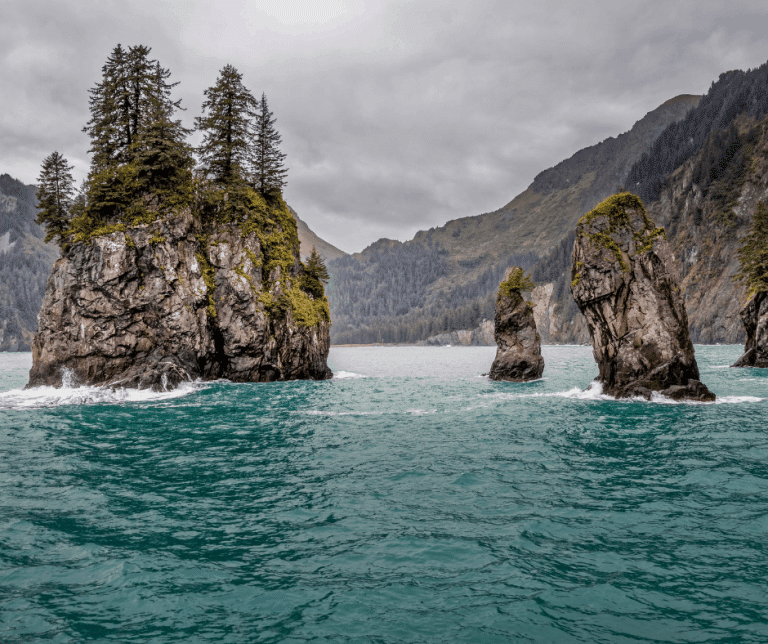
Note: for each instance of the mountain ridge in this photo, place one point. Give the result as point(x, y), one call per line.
point(470, 254)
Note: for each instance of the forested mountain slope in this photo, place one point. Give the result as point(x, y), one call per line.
point(25, 264)
point(446, 278)
point(705, 201)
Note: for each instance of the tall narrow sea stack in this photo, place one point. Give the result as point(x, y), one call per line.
point(623, 282)
point(151, 305)
point(518, 357)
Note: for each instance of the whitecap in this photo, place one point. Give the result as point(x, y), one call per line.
point(341, 375)
point(720, 400)
point(319, 412)
point(595, 392)
point(38, 397)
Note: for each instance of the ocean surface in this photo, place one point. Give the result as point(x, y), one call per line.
point(409, 499)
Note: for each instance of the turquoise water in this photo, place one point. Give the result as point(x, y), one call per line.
point(419, 503)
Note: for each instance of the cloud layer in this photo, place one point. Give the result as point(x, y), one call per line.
point(395, 115)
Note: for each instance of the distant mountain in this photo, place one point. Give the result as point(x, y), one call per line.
point(735, 93)
point(308, 239)
point(701, 179)
point(446, 278)
point(25, 264)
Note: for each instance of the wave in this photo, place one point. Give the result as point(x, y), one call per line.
point(342, 375)
point(319, 412)
point(595, 392)
point(40, 397)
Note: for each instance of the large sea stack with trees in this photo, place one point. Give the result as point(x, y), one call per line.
point(172, 272)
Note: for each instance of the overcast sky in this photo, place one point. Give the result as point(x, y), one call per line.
point(395, 115)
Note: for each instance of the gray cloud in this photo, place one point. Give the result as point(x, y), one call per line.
point(395, 115)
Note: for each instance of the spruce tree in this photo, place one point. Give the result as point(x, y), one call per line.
point(162, 156)
point(226, 126)
point(753, 254)
point(124, 103)
point(315, 275)
point(266, 159)
point(137, 145)
point(55, 193)
point(107, 104)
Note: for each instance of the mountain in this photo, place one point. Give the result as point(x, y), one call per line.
point(308, 239)
point(701, 179)
point(446, 277)
point(25, 264)
point(707, 206)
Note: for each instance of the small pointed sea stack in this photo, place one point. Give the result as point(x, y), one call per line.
point(755, 318)
point(518, 357)
point(623, 282)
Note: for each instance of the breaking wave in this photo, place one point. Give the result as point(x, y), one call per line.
point(39, 397)
point(595, 392)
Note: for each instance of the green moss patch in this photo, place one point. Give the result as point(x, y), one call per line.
point(306, 311)
point(210, 284)
point(614, 211)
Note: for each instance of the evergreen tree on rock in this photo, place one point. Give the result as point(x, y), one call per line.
point(125, 103)
point(226, 126)
point(137, 145)
point(162, 156)
point(55, 194)
point(267, 160)
point(315, 275)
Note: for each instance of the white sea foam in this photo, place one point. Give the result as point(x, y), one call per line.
point(721, 400)
point(38, 397)
point(595, 392)
point(342, 375)
point(318, 412)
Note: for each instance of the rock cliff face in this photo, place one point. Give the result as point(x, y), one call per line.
point(152, 305)
point(754, 315)
point(518, 357)
point(624, 282)
point(480, 336)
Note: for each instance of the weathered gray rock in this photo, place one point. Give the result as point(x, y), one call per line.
point(163, 303)
point(624, 282)
point(754, 315)
point(518, 356)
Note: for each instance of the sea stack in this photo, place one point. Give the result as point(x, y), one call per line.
point(623, 280)
point(176, 299)
point(755, 318)
point(518, 356)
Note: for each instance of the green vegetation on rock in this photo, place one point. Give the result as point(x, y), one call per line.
point(614, 210)
point(143, 173)
point(516, 282)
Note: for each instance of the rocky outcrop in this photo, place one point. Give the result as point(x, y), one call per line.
point(624, 282)
point(518, 356)
point(480, 336)
point(153, 305)
point(754, 315)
